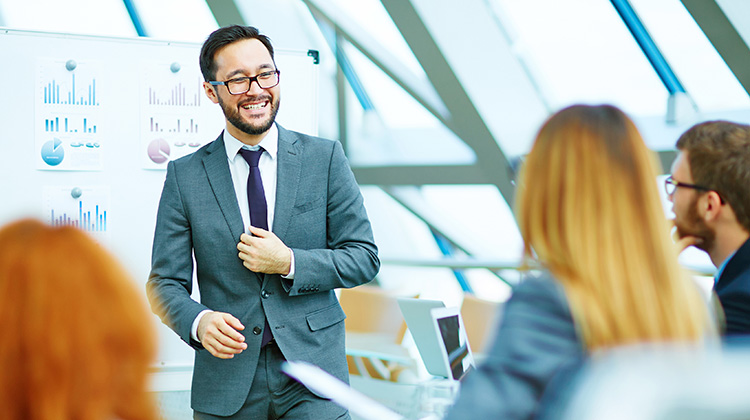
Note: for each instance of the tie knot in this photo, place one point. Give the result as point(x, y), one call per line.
point(251, 156)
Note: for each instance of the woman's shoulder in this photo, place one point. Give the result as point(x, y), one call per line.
point(539, 285)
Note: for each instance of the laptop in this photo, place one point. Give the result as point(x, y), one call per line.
point(328, 386)
point(440, 336)
point(419, 320)
point(456, 355)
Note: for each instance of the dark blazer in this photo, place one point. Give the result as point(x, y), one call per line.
point(733, 290)
point(319, 214)
point(537, 341)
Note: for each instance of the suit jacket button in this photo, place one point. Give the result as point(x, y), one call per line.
point(257, 330)
point(264, 294)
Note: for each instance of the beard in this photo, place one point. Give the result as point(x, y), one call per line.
point(233, 116)
point(694, 225)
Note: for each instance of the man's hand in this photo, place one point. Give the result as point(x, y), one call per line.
point(264, 252)
point(217, 332)
point(682, 243)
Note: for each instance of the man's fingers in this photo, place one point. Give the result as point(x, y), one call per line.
point(261, 233)
point(221, 338)
point(687, 241)
point(245, 238)
point(233, 322)
point(230, 325)
point(220, 351)
point(228, 344)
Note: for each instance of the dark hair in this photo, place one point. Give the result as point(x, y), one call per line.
point(223, 37)
point(719, 157)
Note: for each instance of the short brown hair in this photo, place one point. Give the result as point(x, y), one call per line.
point(222, 37)
point(719, 157)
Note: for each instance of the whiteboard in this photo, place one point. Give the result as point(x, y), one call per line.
point(90, 123)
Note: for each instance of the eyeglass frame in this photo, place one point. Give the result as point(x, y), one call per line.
point(676, 184)
point(251, 79)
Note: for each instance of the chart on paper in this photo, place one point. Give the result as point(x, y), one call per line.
point(67, 114)
point(174, 114)
point(86, 208)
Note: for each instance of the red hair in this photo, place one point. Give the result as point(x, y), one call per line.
point(77, 338)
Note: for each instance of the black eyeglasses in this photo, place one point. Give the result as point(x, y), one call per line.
point(240, 85)
point(670, 186)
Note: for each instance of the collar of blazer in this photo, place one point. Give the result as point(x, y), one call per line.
point(737, 265)
point(287, 184)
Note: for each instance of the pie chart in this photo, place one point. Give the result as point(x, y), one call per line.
point(158, 151)
point(53, 152)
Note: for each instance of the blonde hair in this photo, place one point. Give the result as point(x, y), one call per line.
point(77, 337)
point(589, 211)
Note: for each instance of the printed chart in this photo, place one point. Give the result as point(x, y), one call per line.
point(67, 112)
point(83, 207)
point(174, 112)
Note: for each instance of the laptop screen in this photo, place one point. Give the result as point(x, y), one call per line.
point(457, 356)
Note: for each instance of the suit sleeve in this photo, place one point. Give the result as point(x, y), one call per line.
point(170, 282)
point(351, 257)
point(536, 340)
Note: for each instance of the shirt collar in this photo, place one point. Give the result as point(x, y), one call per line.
point(270, 143)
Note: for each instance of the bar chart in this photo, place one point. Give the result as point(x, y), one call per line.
point(95, 221)
point(88, 212)
point(172, 124)
point(179, 94)
point(69, 113)
point(65, 92)
point(69, 125)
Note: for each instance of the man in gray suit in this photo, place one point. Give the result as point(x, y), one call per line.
point(266, 294)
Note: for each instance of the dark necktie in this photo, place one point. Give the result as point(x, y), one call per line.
point(256, 200)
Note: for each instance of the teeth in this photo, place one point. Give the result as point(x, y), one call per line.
point(256, 106)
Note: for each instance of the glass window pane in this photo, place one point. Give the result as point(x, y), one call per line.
point(400, 236)
point(398, 130)
point(372, 17)
point(94, 17)
point(582, 52)
point(194, 21)
point(482, 215)
point(699, 67)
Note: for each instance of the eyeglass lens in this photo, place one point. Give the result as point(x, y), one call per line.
point(265, 81)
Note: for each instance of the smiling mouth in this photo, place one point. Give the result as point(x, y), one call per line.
point(255, 106)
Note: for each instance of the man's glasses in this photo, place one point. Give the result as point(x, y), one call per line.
point(670, 186)
point(240, 85)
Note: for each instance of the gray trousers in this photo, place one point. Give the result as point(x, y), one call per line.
point(276, 396)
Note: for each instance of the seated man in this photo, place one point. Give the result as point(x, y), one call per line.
point(710, 194)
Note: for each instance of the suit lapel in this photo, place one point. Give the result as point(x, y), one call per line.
point(288, 179)
point(217, 171)
point(735, 267)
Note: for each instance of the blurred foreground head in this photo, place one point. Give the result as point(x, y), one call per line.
point(589, 211)
point(77, 337)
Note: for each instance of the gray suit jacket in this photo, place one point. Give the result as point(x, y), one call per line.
point(319, 214)
point(536, 342)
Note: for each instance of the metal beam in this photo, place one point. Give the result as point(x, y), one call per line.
point(411, 199)
point(648, 46)
point(454, 263)
point(226, 12)
point(135, 18)
point(341, 102)
point(415, 86)
point(420, 175)
point(666, 157)
point(724, 37)
point(465, 118)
